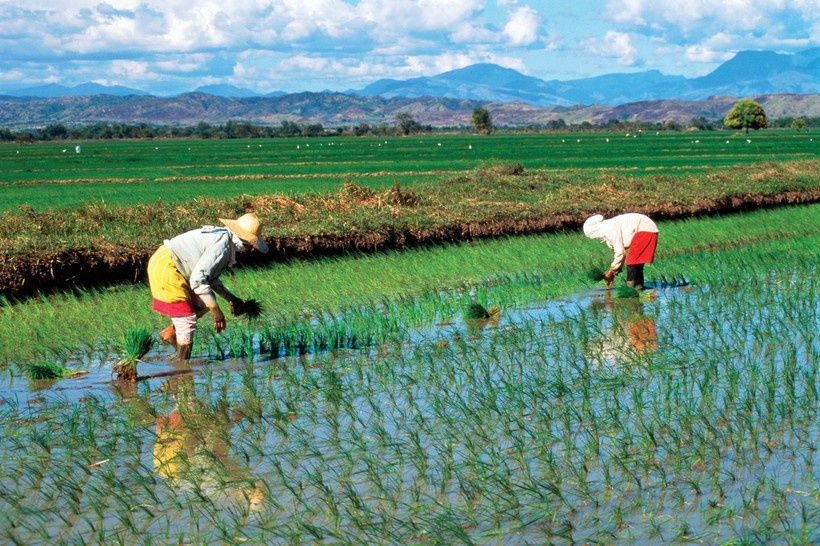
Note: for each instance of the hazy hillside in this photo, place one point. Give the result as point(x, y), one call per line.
point(338, 109)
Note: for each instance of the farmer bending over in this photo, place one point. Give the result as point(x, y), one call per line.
point(184, 275)
point(633, 237)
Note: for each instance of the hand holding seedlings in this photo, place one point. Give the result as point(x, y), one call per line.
point(609, 278)
point(219, 318)
point(184, 275)
point(632, 237)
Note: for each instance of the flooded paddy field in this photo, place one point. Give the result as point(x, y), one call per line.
point(683, 414)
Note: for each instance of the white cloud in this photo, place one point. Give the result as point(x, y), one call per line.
point(13, 76)
point(409, 66)
point(694, 18)
point(523, 26)
point(131, 70)
point(705, 54)
point(183, 63)
point(616, 45)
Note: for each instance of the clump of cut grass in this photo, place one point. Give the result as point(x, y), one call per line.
point(503, 169)
point(46, 369)
point(136, 343)
point(354, 192)
point(402, 197)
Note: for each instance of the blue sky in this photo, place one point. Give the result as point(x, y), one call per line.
point(171, 46)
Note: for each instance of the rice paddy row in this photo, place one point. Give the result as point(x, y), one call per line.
point(52, 175)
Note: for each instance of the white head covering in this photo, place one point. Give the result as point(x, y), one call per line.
point(592, 226)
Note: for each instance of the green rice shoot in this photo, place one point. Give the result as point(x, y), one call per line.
point(44, 370)
point(136, 343)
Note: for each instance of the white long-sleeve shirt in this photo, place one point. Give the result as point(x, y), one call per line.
point(617, 232)
point(202, 255)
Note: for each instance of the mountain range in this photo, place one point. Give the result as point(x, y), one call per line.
point(788, 84)
point(747, 73)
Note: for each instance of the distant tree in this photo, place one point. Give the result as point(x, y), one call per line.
point(799, 123)
point(746, 114)
point(313, 130)
point(55, 132)
point(405, 124)
point(556, 124)
point(671, 125)
point(361, 129)
point(6, 135)
point(482, 121)
point(204, 129)
point(289, 128)
point(700, 122)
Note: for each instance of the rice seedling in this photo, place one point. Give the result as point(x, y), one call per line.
point(476, 311)
point(45, 370)
point(136, 343)
point(250, 308)
point(595, 273)
point(625, 291)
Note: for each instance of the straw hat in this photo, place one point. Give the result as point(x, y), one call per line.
point(248, 228)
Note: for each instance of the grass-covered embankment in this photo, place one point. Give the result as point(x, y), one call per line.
point(44, 250)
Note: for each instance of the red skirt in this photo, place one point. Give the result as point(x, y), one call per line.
point(642, 249)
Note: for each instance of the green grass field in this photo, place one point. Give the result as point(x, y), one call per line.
point(366, 404)
point(52, 175)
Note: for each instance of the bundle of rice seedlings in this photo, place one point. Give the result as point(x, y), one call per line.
point(476, 311)
point(136, 343)
point(595, 273)
point(624, 291)
point(250, 308)
point(46, 369)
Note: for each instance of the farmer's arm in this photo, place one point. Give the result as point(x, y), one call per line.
point(235, 303)
point(616, 243)
point(205, 279)
point(222, 290)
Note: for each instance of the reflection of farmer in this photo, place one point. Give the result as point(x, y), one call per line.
point(640, 329)
point(192, 450)
point(184, 274)
point(633, 331)
point(633, 237)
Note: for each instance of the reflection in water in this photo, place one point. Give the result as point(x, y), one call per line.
point(632, 331)
point(191, 449)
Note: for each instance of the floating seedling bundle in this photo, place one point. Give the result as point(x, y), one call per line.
point(45, 370)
